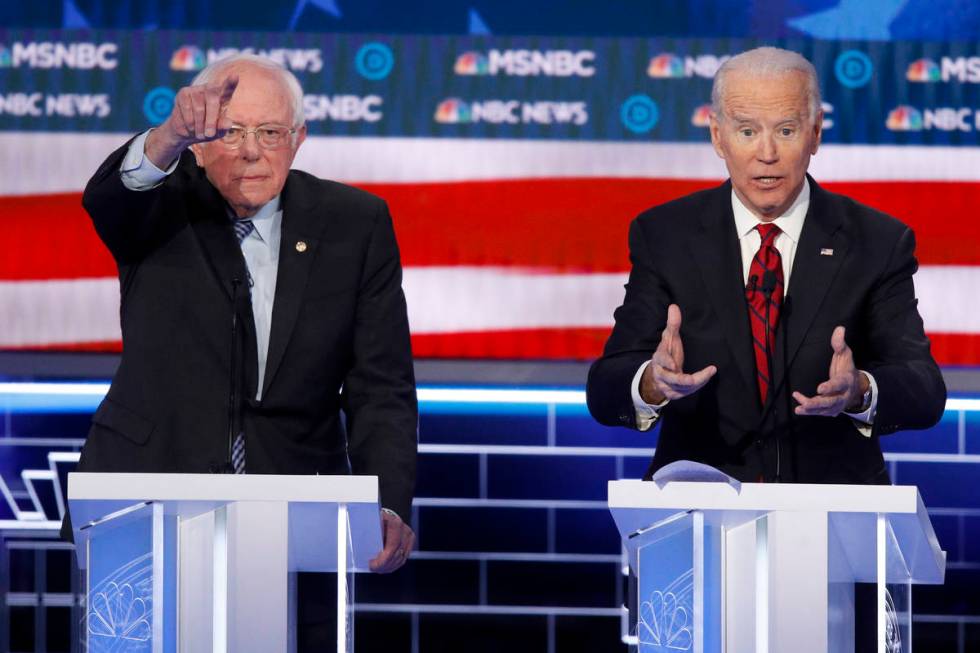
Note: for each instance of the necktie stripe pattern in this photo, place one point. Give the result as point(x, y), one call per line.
point(767, 259)
point(242, 229)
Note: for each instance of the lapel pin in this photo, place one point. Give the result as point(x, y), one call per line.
point(826, 251)
point(300, 246)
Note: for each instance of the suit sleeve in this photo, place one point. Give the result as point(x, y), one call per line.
point(379, 391)
point(127, 221)
point(639, 321)
point(911, 391)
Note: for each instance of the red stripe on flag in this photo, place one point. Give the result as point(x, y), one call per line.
point(553, 344)
point(570, 225)
point(50, 237)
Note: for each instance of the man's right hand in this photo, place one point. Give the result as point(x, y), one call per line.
point(198, 116)
point(664, 377)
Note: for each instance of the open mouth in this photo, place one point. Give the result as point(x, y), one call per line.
point(767, 181)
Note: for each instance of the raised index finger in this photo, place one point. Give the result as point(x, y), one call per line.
point(228, 89)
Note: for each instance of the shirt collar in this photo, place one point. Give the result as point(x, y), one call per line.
point(790, 223)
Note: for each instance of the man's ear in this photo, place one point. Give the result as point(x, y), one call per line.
point(817, 132)
point(198, 150)
point(715, 129)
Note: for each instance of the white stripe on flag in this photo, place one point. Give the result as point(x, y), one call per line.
point(63, 162)
point(59, 312)
point(947, 298)
point(467, 299)
point(440, 300)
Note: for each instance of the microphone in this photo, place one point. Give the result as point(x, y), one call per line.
point(233, 377)
point(768, 287)
point(768, 284)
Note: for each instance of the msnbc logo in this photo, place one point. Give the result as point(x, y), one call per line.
point(188, 58)
point(666, 66)
point(904, 119)
point(923, 70)
point(702, 116)
point(453, 111)
point(471, 63)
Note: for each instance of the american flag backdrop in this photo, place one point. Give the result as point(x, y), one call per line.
point(513, 237)
point(511, 249)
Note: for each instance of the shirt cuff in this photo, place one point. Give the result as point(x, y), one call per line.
point(865, 420)
point(137, 171)
point(646, 414)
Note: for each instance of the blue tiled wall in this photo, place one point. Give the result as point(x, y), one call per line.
point(516, 547)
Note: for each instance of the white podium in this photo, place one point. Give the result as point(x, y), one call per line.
point(204, 562)
point(772, 567)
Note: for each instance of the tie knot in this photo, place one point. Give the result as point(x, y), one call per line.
point(242, 229)
point(768, 232)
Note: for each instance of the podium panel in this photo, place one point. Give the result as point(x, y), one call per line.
point(765, 567)
point(207, 562)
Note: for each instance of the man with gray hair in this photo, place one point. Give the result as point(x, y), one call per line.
point(263, 320)
point(769, 325)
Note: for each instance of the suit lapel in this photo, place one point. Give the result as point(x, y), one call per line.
point(819, 255)
point(208, 216)
point(720, 261)
point(301, 227)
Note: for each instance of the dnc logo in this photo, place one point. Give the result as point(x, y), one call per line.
point(472, 63)
point(188, 58)
point(639, 113)
point(374, 61)
point(666, 66)
point(453, 111)
point(923, 70)
point(702, 116)
point(158, 104)
point(904, 118)
point(853, 68)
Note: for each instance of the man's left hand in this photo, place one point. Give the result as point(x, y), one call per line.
point(398, 539)
point(843, 391)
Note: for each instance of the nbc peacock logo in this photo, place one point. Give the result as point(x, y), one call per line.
point(471, 63)
point(666, 66)
point(702, 116)
point(904, 118)
point(188, 58)
point(453, 111)
point(923, 70)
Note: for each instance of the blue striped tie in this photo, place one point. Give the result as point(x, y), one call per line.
point(242, 229)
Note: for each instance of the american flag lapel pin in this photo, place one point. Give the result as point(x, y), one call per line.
point(826, 251)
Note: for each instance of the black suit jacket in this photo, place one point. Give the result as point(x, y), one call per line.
point(853, 267)
point(339, 342)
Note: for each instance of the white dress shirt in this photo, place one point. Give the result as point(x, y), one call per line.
point(260, 248)
point(790, 227)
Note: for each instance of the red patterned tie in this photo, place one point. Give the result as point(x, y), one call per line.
point(767, 259)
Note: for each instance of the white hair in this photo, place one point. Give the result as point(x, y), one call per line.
point(767, 62)
point(214, 70)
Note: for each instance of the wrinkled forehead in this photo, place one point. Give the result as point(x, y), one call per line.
point(260, 97)
point(747, 94)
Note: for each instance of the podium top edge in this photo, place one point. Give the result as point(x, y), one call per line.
point(85, 486)
point(766, 497)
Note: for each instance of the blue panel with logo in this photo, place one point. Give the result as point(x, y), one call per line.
point(486, 87)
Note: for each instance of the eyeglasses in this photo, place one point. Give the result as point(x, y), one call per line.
point(269, 137)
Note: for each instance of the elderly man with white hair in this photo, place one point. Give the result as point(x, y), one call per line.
point(263, 321)
point(769, 326)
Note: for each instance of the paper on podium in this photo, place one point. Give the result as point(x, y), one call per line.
point(693, 472)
